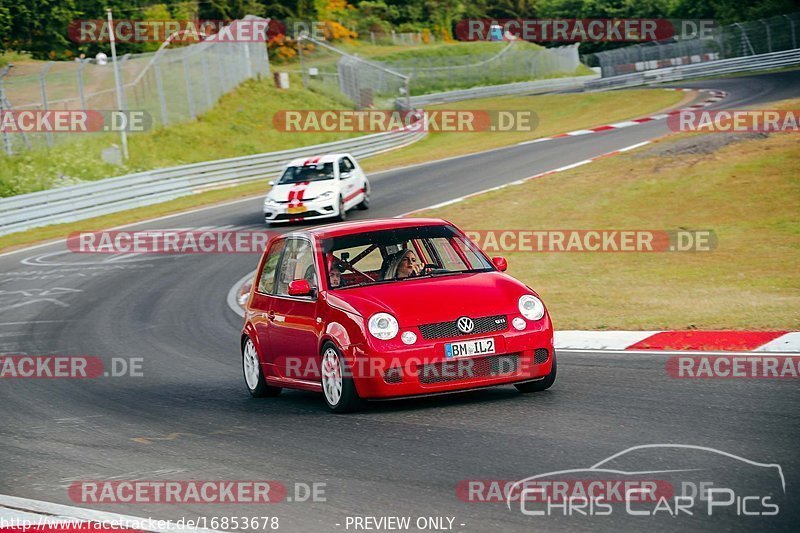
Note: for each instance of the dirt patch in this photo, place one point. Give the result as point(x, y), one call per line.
point(699, 145)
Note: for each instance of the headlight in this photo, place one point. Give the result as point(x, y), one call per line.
point(325, 195)
point(531, 307)
point(383, 326)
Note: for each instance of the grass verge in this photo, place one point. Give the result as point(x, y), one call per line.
point(240, 124)
point(557, 113)
point(747, 191)
point(440, 145)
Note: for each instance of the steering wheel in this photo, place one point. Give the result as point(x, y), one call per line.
point(426, 268)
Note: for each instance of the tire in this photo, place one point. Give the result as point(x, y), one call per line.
point(342, 211)
point(338, 390)
point(364, 205)
point(253, 374)
point(540, 384)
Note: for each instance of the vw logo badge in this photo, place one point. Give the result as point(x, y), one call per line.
point(465, 324)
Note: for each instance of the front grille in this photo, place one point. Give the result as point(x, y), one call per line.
point(287, 216)
point(393, 376)
point(479, 367)
point(540, 355)
point(446, 330)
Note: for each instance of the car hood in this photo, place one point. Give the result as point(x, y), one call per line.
point(428, 300)
point(301, 191)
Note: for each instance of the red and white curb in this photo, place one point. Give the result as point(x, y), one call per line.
point(25, 515)
point(688, 340)
point(714, 96)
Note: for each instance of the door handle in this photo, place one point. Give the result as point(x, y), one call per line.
point(271, 315)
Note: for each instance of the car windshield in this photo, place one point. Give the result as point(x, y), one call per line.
point(394, 256)
point(322, 171)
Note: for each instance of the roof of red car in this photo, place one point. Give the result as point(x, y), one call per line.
point(376, 224)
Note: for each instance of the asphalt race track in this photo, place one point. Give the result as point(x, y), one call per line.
point(190, 417)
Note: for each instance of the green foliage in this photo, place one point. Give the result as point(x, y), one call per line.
point(40, 26)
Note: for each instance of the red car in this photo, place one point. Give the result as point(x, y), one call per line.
point(390, 308)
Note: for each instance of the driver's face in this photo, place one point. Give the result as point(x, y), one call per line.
point(406, 266)
point(336, 278)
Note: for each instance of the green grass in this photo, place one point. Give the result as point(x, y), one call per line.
point(240, 124)
point(747, 192)
point(557, 113)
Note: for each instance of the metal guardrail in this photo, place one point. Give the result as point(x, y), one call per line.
point(87, 200)
point(786, 58)
point(524, 87)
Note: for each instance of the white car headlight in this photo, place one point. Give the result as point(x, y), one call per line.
point(324, 196)
point(383, 326)
point(531, 307)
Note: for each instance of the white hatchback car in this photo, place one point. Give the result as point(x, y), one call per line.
point(317, 187)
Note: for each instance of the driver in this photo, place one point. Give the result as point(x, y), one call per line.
point(404, 264)
point(335, 274)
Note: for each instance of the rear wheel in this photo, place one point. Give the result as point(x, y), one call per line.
point(253, 375)
point(337, 387)
point(364, 205)
point(541, 384)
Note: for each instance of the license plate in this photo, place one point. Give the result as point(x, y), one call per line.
point(466, 348)
point(296, 210)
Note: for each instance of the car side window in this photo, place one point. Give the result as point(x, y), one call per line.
point(266, 282)
point(345, 165)
point(297, 263)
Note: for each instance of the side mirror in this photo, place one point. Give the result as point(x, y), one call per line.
point(271, 183)
point(500, 263)
point(300, 287)
point(345, 175)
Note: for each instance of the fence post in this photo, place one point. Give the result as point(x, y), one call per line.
point(769, 36)
point(80, 84)
point(206, 81)
point(791, 26)
point(189, 96)
point(161, 97)
point(43, 85)
point(6, 138)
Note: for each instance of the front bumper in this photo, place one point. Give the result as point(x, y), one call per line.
point(278, 212)
point(423, 368)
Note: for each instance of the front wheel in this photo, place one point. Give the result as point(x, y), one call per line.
point(338, 388)
point(342, 210)
point(253, 375)
point(541, 384)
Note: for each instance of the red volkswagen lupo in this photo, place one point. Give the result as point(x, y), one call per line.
point(387, 309)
